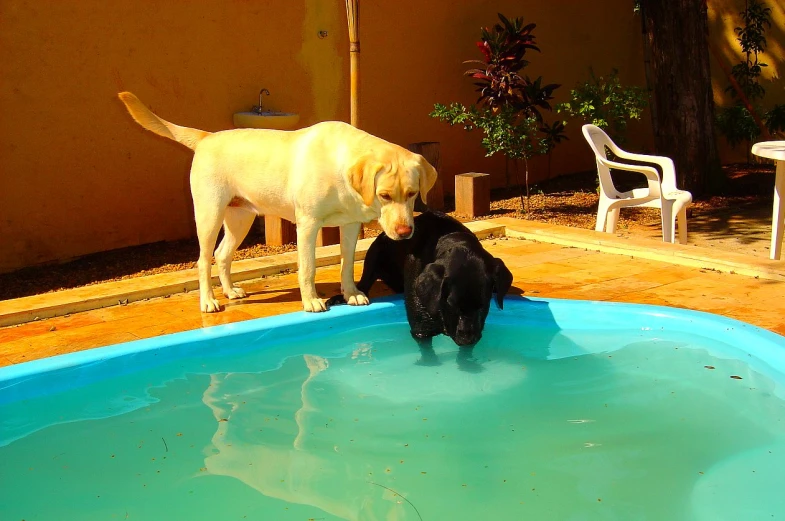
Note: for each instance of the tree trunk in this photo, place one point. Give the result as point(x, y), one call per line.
point(676, 34)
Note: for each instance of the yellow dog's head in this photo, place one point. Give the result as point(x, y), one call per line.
point(391, 180)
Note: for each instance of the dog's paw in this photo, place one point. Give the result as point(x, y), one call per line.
point(356, 299)
point(209, 305)
point(235, 293)
point(314, 305)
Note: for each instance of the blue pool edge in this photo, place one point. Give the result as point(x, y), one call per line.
point(566, 314)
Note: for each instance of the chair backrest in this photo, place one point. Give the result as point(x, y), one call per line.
point(598, 141)
point(656, 169)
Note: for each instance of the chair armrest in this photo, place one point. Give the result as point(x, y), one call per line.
point(648, 171)
point(666, 163)
point(651, 173)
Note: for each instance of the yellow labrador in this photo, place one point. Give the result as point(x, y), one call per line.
point(329, 174)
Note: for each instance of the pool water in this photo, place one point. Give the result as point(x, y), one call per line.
point(638, 413)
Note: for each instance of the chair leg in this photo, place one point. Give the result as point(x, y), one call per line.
point(668, 222)
point(612, 221)
point(602, 216)
point(682, 217)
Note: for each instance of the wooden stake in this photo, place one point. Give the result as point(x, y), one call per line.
point(353, 18)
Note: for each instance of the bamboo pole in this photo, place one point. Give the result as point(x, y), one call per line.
point(353, 18)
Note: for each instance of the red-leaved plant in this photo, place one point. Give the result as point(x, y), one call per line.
point(508, 109)
point(500, 83)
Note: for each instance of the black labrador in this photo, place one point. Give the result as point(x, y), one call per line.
point(446, 276)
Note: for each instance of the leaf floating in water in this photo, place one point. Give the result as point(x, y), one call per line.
point(735, 377)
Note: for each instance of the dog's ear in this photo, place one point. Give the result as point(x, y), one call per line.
point(428, 176)
point(362, 175)
point(429, 287)
point(502, 280)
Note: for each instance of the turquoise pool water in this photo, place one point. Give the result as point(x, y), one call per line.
point(566, 411)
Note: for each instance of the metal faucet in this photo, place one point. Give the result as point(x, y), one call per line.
point(258, 108)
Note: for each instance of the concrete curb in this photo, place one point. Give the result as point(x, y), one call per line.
point(59, 303)
point(679, 254)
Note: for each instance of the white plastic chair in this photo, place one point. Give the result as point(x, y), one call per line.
point(660, 193)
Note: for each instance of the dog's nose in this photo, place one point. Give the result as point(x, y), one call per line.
point(403, 230)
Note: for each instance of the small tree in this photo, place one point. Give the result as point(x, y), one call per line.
point(508, 110)
point(606, 103)
point(736, 122)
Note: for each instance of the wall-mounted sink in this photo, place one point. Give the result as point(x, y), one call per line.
point(268, 119)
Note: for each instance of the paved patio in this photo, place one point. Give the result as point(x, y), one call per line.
point(546, 261)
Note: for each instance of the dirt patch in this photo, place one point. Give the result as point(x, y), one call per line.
point(567, 200)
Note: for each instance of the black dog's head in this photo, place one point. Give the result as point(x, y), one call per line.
point(459, 287)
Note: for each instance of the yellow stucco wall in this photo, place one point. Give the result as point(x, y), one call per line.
point(724, 17)
point(77, 175)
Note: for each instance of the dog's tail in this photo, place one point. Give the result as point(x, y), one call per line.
point(189, 137)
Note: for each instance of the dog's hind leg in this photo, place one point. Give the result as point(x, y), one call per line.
point(237, 222)
point(352, 295)
point(209, 216)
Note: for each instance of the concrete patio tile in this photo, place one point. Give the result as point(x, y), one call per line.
point(540, 256)
point(611, 289)
point(779, 328)
point(117, 326)
point(43, 346)
point(591, 260)
point(258, 304)
point(642, 298)
point(540, 289)
point(175, 326)
point(685, 295)
point(603, 272)
point(666, 274)
point(525, 247)
point(41, 327)
point(551, 270)
point(227, 316)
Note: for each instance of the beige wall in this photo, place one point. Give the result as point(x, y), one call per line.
point(78, 176)
point(723, 19)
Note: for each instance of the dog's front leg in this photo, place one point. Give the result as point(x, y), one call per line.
point(307, 230)
point(352, 295)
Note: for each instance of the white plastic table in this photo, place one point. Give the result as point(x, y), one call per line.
point(775, 150)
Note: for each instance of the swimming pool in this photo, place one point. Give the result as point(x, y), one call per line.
point(565, 410)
